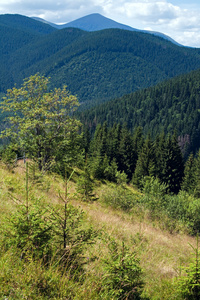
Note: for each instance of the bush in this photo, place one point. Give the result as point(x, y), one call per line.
point(85, 186)
point(154, 194)
point(183, 208)
point(9, 156)
point(120, 197)
point(72, 236)
point(30, 230)
point(188, 284)
point(186, 208)
point(123, 273)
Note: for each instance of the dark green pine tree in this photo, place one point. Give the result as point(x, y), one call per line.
point(96, 141)
point(104, 145)
point(85, 185)
point(127, 155)
point(99, 151)
point(86, 139)
point(100, 142)
point(160, 153)
point(114, 142)
point(138, 140)
point(196, 191)
point(173, 165)
point(146, 162)
point(189, 180)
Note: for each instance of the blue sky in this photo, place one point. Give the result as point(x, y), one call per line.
point(180, 19)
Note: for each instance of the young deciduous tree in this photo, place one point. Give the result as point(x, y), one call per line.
point(41, 121)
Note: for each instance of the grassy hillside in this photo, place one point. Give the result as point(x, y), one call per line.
point(159, 252)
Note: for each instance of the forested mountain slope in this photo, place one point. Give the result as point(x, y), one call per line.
point(96, 66)
point(16, 32)
point(25, 23)
point(173, 104)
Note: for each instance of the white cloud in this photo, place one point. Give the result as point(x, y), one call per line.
point(54, 11)
point(151, 12)
point(182, 24)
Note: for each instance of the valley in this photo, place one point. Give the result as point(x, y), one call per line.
point(99, 162)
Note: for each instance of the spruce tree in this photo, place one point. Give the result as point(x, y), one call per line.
point(146, 162)
point(160, 153)
point(114, 141)
point(127, 155)
point(173, 165)
point(85, 184)
point(189, 182)
point(197, 175)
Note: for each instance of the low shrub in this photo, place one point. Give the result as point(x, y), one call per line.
point(123, 277)
point(119, 198)
point(188, 284)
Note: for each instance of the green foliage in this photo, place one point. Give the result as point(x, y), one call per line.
point(171, 210)
point(9, 157)
point(186, 208)
point(145, 165)
point(46, 232)
point(194, 184)
point(120, 198)
point(42, 123)
point(121, 178)
point(37, 233)
point(153, 187)
point(100, 167)
point(71, 236)
point(110, 172)
point(154, 195)
point(85, 185)
point(173, 104)
point(189, 180)
point(127, 155)
point(123, 273)
point(30, 230)
point(169, 162)
point(189, 282)
point(115, 149)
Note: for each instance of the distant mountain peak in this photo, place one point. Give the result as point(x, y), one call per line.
point(96, 22)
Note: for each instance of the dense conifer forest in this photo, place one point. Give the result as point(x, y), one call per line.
point(171, 105)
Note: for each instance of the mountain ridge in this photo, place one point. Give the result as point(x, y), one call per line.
point(24, 23)
point(96, 21)
point(96, 66)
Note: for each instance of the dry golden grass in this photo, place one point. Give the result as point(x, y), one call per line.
point(160, 252)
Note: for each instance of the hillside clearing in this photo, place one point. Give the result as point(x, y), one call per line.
point(161, 253)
